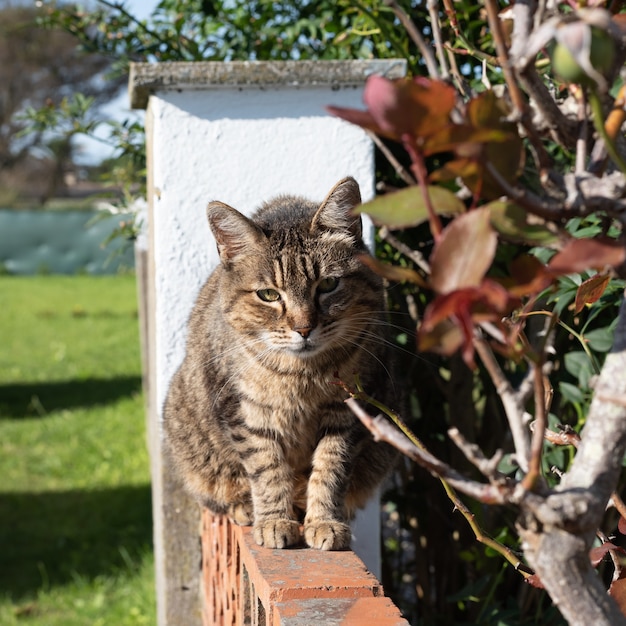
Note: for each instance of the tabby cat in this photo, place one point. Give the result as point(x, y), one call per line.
point(256, 424)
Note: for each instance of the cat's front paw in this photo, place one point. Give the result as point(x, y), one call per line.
point(327, 535)
point(277, 533)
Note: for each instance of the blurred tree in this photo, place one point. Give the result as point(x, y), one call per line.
point(40, 67)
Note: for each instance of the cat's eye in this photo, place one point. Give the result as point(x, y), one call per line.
point(268, 295)
point(326, 285)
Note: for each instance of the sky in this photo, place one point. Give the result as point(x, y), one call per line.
point(91, 150)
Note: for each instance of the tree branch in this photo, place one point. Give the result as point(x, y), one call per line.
point(416, 36)
point(564, 523)
point(383, 430)
point(513, 409)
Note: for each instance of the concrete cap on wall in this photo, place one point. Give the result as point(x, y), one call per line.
point(149, 78)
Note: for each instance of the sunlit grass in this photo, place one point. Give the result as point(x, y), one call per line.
point(75, 515)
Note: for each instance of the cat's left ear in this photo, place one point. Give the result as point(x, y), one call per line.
point(335, 212)
point(234, 233)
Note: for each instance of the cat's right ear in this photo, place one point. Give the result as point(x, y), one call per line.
point(234, 233)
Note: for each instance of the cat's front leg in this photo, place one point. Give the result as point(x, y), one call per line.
point(326, 524)
point(271, 485)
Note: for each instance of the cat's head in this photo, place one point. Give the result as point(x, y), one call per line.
point(292, 283)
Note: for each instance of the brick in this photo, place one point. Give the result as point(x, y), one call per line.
point(305, 573)
point(338, 612)
point(246, 583)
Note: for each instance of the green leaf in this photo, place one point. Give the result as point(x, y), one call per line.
point(600, 339)
point(579, 365)
point(514, 224)
point(571, 393)
point(407, 207)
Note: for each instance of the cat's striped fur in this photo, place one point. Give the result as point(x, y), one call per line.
point(255, 425)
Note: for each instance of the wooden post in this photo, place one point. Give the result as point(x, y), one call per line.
point(239, 132)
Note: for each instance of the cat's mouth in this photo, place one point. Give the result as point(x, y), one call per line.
point(304, 348)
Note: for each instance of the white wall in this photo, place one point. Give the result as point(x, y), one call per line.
point(241, 147)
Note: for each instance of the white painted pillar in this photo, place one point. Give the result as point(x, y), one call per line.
point(240, 133)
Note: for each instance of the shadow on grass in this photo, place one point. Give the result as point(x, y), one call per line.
point(32, 399)
point(48, 539)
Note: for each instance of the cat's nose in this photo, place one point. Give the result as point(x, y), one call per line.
point(304, 331)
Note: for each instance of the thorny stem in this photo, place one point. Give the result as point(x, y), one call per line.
point(481, 537)
point(451, 13)
point(416, 36)
point(423, 455)
point(583, 342)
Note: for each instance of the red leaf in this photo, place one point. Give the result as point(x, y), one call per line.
point(617, 591)
point(581, 255)
point(416, 106)
point(621, 525)
point(591, 290)
point(360, 118)
point(464, 252)
point(529, 276)
point(463, 308)
point(392, 272)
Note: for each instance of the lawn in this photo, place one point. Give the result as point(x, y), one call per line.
point(75, 513)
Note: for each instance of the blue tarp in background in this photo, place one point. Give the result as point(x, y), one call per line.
point(62, 242)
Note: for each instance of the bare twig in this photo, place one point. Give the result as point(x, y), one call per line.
point(531, 479)
point(558, 210)
point(481, 537)
point(436, 28)
point(415, 255)
point(416, 36)
point(569, 437)
point(564, 523)
point(401, 171)
point(563, 129)
point(473, 453)
point(503, 58)
point(513, 409)
point(581, 141)
point(515, 93)
point(383, 430)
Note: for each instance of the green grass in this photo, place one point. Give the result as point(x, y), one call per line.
point(75, 513)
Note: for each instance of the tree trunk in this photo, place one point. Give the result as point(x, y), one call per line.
point(558, 530)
